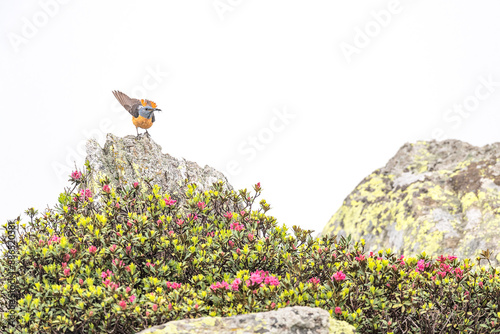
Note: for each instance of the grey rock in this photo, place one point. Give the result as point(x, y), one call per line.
point(438, 197)
point(132, 159)
point(288, 320)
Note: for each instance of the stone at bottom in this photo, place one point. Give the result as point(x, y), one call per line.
point(288, 320)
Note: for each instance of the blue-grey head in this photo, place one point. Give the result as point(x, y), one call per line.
point(147, 111)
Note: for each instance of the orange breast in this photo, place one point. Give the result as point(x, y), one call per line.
point(141, 122)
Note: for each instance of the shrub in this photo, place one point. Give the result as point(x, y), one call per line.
point(128, 258)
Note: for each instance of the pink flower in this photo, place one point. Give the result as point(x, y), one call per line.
point(80, 281)
point(127, 268)
point(228, 215)
point(136, 184)
point(314, 280)
point(112, 248)
point(360, 258)
point(54, 239)
point(338, 276)
point(257, 186)
point(173, 285)
point(106, 188)
point(180, 222)
point(117, 262)
point(271, 280)
point(127, 289)
point(64, 264)
point(170, 306)
point(451, 257)
point(191, 216)
point(155, 307)
point(256, 278)
point(169, 201)
point(421, 265)
point(445, 267)
point(235, 284)
point(76, 175)
point(66, 272)
point(127, 249)
point(150, 264)
point(201, 205)
point(236, 226)
point(110, 284)
point(231, 243)
point(147, 313)
point(338, 310)
point(273, 305)
point(85, 194)
point(250, 236)
point(123, 304)
point(480, 284)
point(132, 298)
point(73, 251)
point(92, 249)
point(66, 257)
point(441, 258)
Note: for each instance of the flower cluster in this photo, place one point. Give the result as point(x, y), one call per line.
point(225, 285)
point(338, 276)
point(236, 226)
point(76, 175)
point(173, 285)
point(85, 194)
point(129, 257)
point(259, 276)
point(169, 201)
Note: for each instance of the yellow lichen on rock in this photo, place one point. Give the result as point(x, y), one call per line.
point(441, 197)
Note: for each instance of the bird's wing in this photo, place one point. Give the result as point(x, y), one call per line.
point(130, 104)
point(145, 102)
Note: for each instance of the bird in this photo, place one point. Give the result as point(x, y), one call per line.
point(142, 110)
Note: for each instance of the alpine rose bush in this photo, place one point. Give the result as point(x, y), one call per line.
point(121, 259)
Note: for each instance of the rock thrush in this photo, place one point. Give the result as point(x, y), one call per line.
point(142, 110)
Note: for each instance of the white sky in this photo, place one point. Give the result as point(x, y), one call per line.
point(221, 74)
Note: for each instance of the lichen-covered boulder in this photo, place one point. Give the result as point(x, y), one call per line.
point(288, 320)
point(438, 197)
point(130, 159)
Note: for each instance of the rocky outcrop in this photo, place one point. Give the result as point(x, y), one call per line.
point(289, 320)
point(130, 159)
point(438, 197)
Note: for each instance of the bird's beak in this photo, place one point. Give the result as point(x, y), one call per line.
point(156, 109)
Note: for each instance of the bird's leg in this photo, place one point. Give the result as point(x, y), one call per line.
point(147, 133)
point(136, 129)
